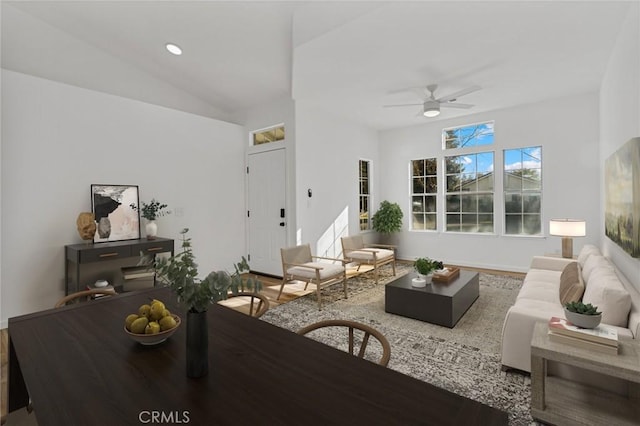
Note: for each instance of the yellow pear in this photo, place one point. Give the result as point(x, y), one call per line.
point(157, 311)
point(139, 325)
point(144, 310)
point(166, 313)
point(167, 323)
point(152, 328)
point(129, 320)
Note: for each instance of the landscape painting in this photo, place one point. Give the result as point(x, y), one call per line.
point(622, 197)
point(116, 212)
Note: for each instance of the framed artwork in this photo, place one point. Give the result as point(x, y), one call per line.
point(622, 197)
point(116, 219)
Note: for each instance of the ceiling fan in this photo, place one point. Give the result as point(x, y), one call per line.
point(431, 105)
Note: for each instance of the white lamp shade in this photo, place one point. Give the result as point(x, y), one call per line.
point(568, 227)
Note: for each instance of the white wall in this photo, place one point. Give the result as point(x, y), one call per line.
point(620, 120)
point(58, 139)
point(327, 153)
point(566, 129)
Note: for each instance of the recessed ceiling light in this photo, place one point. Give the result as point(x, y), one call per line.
point(172, 48)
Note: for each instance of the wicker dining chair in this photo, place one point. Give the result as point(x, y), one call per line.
point(258, 303)
point(351, 326)
point(299, 264)
point(84, 294)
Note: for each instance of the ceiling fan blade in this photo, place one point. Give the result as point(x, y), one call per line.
point(455, 105)
point(400, 105)
point(459, 93)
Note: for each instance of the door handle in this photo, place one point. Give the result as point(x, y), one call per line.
point(281, 223)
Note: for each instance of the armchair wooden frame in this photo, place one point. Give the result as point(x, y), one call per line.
point(353, 325)
point(299, 264)
point(355, 243)
point(258, 305)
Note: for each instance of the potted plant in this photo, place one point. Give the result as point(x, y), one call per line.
point(581, 315)
point(151, 212)
point(180, 274)
point(388, 218)
point(425, 266)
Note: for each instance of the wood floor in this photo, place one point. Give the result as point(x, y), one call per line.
point(271, 287)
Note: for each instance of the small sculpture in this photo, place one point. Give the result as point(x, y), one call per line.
point(86, 224)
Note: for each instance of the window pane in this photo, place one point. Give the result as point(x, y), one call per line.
point(485, 203)
point(513, 224)
point(430, 204)
point(418, 221)
point(469, 183)
point(417, 204)
point(485, 182)
point(484, 163)
point(469, 136)
point(432, 185)
point(453, 164)
point(531, 203)
point(453, 222)
point(469, 203)
point(417, 167)
point(430, 222)
point(512, 203)
point(531, 179)
point(512, 181)
point(485, 223)
point(453, 183)
point(453, 203)
point(431, 166)
point(418, 186)
point(363, 175)
point(531, 224)
point(469, 223)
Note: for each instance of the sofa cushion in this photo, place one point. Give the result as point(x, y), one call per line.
point(367, 254)
point(309, 271)
point(605, 291)
point(571, 284)
point(594, 262)
point(587, 250)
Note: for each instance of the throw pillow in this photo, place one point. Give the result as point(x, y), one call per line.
point(571, 284)
point(594, 262)
point(587, 250)
point(606, 291)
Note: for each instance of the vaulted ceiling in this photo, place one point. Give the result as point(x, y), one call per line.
point(349, 58)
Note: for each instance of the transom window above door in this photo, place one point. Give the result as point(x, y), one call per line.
point(271, 134)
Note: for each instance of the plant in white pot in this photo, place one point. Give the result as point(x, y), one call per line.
point(582, 315)
point(425, 267)
point(152, 212)
point(180, 274)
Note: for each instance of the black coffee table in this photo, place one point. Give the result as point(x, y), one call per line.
point(438, 303)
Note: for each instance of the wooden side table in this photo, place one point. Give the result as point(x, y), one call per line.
point(564, 402)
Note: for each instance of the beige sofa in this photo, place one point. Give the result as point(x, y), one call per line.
point(539, 300)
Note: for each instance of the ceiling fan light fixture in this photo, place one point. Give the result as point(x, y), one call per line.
point(431, 109)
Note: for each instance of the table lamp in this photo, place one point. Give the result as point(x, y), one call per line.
point(567, 228)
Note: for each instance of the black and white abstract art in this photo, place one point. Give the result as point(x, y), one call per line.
point(116, 219)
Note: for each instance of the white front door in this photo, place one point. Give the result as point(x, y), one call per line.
point(267, 215)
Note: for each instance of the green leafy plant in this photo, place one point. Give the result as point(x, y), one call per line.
point(425, 265)
point(388, 218)
point(581, 308)
point(153, 210)
point(180, 273)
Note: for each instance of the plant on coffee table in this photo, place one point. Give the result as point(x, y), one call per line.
point(425, 265)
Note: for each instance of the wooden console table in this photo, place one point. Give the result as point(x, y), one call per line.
point(85, 263)
point(560, 401)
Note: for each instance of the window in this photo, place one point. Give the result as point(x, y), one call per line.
point(272, 134)
point(469, 192)
point(523, 191)
point(424, 188)
point(470, 136)
point(364, 195)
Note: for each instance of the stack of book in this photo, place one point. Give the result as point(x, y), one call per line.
point(603, 338)
point(137, 278)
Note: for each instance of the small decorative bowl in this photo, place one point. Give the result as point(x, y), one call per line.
point(581, 320)
point(154, 339)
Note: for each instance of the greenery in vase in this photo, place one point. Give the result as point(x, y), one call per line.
point(153, 210)
point(180, 273)
point(425, 265)
point(388, 218)
point(581, 308)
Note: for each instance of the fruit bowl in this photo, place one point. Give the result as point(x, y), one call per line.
point(154, 339)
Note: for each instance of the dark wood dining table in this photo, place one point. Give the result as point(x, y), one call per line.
point(79, 367)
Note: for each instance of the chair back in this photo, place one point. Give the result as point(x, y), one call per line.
point(298, 254)
point(351, 326)
point(258, 303)
point(354, 242)
point(74, 297)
